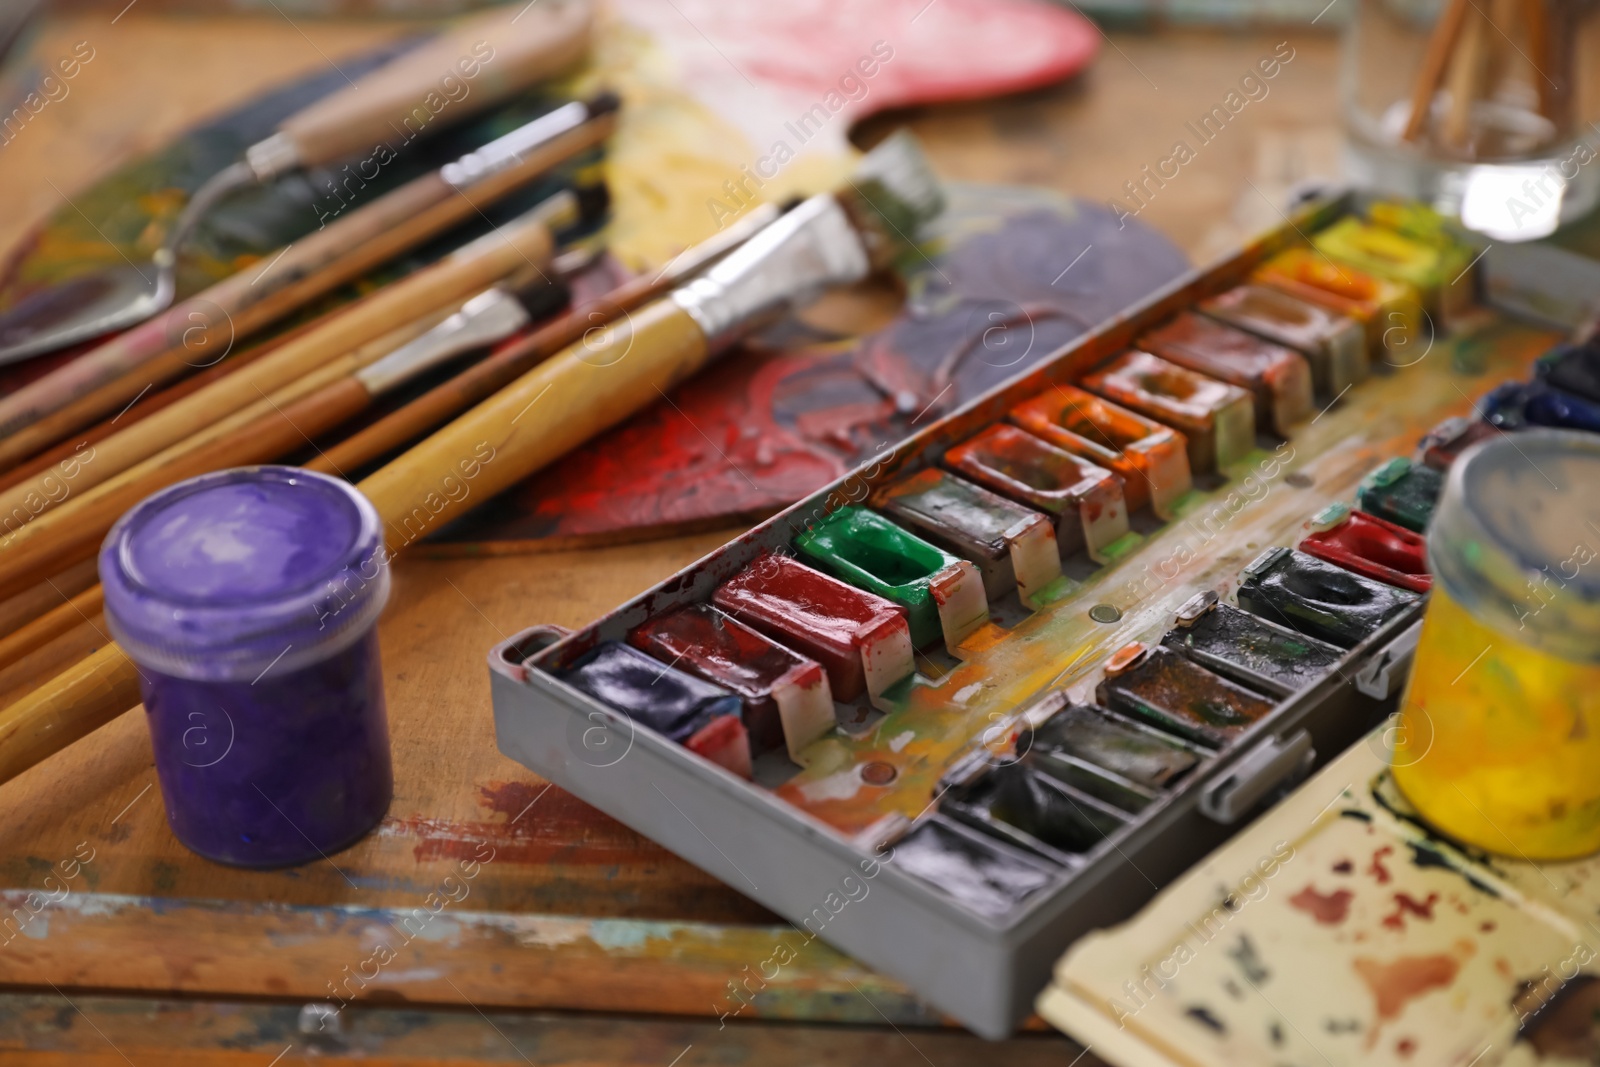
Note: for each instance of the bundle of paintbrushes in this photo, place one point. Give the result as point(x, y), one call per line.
point(658, 330)
point(1485, 65)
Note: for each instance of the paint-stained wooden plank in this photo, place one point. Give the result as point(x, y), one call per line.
point(441, 951)
point(46, 1030)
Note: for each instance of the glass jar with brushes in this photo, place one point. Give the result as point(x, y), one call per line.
point(1488, 109)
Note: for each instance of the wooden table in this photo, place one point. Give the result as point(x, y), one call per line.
point(578, 941)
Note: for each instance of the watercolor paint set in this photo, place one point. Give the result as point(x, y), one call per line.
point(1030, 665)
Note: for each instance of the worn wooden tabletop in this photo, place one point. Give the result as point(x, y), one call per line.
point(577, 941)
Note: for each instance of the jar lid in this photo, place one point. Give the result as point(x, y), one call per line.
point(223, 576)
point(1516, 538)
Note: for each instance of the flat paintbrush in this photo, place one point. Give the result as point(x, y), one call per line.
point(827, 241)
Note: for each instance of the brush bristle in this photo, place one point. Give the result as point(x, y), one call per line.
point(891, 196)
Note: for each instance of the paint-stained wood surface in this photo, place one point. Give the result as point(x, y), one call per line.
point(566, 909)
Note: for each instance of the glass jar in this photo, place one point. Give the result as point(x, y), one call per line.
point(248, 600)
point(1498, 743)
point(1486, 109)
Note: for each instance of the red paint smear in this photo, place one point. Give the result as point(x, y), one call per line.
point(559, 828)
point(1394, 985)
point(715, 449)
point(798, 52)
point(1378, 870)
point(1405, 903)
point(1329, 909)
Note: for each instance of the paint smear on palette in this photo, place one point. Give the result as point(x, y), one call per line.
point(795, 409)
point(1364, 940)
point(754, 102)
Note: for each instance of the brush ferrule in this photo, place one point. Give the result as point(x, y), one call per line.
point(790, 262)
point(486, 318)
point(508, 151)
point(273, 157)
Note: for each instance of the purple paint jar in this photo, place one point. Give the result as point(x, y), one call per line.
point(249, 600)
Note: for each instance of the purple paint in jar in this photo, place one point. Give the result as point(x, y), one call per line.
point(249, 599)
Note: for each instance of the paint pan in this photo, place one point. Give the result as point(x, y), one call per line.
point(702, 717)
point(1013, 547)
point(1278, 377)
point(861, 640)
point(1319, 598)
point(1441, 445)
point(1401, 492)
point(1161, 687)
point(1369, 545)
point(943, 596)
point(1518, 405)
point(1026, 808)
point(1216, 419)
point(1085, 499)
point(1386, 254)
point(787, 701)
point(1151, 459)
point(1572, 368)
point(1390, 312)
point(1247, 649)
point(985, 874)
point(1335, 346)
point(1084, 741)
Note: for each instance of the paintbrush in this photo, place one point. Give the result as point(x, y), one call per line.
point(192, 421)
point(1440, 48)
point(826, 241)
point(107, 377)
point(482, 379)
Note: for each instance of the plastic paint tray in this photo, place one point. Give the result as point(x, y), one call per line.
point(810, 861)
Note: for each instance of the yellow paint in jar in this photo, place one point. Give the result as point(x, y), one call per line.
point(1498, 743)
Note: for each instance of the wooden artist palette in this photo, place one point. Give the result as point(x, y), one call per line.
point(1051, 703)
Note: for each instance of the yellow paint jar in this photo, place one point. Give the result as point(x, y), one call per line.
point(1498, 743)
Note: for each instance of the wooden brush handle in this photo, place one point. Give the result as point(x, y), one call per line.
point(447, 282)
point(42, 598)
point(471, 66)
point(482, 379)
point(1466, 80)
point(1434, 62)
point(1537, 17)
point(105, 379)
point(78, 701)
point(552, 409)
point(67, 615)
